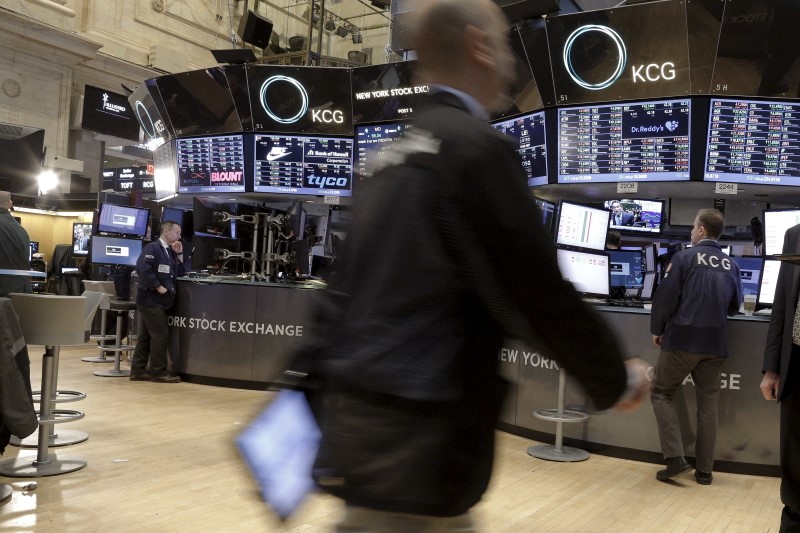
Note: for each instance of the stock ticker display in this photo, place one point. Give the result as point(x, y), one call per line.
point(210, 164)
point(753, 142)
point(372, 141)
point(303, 165)
point(642, 141)
point(529, 133)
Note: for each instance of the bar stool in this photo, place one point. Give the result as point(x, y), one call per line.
point(120, 307)
point(558, 452)
point(5, 492)
point(65, 437)
point(106, 287)
point(51, 321)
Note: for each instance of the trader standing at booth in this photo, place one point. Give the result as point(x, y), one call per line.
point(782, 379)
point(689, 320)
point(14, 250)
point(407, 345)
point(158, 266)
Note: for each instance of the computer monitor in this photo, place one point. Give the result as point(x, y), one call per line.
point(776, 222)
point(582, 226)
point(528, 132)
point(205, 254)
point(548, 210)
point(81, 233)
point(636, 216)
point(588, 272)
point(123, 220)
point(726, 249)
point(650, 256)
point(115, 250)
point(626, 268)
point(206, 218)
point(373, 140)
point(648, 286)
point(211, 164)
point(34, 249)
point(769, 280)
point(750, 272)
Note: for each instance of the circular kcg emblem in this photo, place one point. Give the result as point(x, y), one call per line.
point(289, 101)
point(144, 119)
point(605, 33)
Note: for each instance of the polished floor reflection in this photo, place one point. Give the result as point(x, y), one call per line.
point(161, 459)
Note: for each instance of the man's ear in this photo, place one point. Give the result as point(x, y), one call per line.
point(478, 48)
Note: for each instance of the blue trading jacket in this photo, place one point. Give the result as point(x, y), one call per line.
point(157, 267)
point(702, 287)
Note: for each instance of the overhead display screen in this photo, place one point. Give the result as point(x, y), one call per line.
point(303, 165)
point(642, 141)
point(371, 142)
point(150, 112)
point(315, 100)
point(199, 102)
point(108, 112)
point(385, 92)
point(626, 52)
point(753, 142)
point(210, 164)
point(528, 131)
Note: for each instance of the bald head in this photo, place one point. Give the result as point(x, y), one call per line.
point(5, 200)
point(464, 44)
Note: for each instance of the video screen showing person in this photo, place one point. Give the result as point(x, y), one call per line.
point(81, 233)
point(639, 216)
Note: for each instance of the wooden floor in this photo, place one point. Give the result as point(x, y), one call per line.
point(161, 459)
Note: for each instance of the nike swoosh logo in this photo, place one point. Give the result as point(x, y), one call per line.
point(273, 157)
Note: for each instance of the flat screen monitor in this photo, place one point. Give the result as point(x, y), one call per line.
point(172, 214)
point(108, 112)
point(115, 250)
point(582, 226)
point(776, 222)
point(548, 211)
point(371, 141)
point(81, 233)
point(287, 164)
point(210, 164)
point(205, 219)
point(528, 132)
point(726, 249)
point(769, 280)
point(633, 142)
point(148, 107)
point(636, 216)
point(588, 272)
point(165, 177)
point(626, 268)
point(123, 219)
point(650, 256)
point(204, 253)
point(750, 272)
point(385, 92)
point(34, 249)
point(753, 141)
point(648, 286)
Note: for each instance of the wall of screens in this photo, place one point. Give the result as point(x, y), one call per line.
point(211, 164)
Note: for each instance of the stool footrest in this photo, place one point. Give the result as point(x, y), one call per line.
point(62, 396)
point(107, 337)
point(552, 415)
point(123, 348)
point(60, 416)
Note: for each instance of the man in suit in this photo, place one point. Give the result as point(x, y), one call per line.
point(782, 378)
point(620, 217)
point(689, 322)
point(406, 347)
point(158, 266)
point(81, 241)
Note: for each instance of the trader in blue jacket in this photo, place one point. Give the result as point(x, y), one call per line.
point(158, 266)
point(701, 287)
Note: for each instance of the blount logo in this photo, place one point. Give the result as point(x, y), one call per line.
point(221, 177)
point(322, 181)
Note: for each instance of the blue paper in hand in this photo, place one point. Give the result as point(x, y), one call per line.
point(280, 447)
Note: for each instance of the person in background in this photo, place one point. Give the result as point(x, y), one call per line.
point(406, 345)
point(620, 217)
point(613, 240)
point(15, 247)
point(81, 240)
point(689, 320)
point(158, 266)
point(781, 379)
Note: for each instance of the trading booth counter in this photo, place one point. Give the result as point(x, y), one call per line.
point(243, 334)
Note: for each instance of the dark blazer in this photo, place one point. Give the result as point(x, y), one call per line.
point(627, 219)
point(157, 267)
point(779, 335)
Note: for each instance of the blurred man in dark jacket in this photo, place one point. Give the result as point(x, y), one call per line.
point(438, 271)
point(14, 251)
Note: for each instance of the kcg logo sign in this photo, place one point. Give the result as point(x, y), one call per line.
point(643, 73)
point(285, 100)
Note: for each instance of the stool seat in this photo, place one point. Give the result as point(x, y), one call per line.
point(122, 305)
point(50, 320)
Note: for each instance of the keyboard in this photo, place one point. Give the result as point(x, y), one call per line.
point(595, 301)
point(763, 312)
